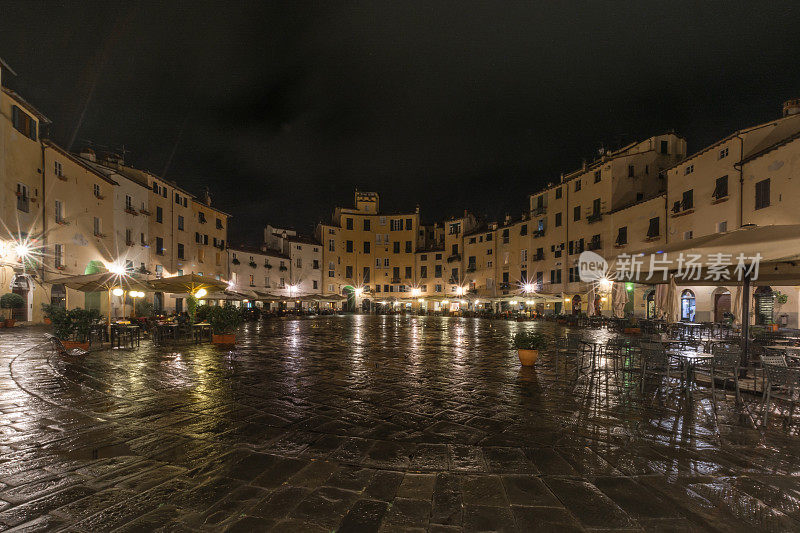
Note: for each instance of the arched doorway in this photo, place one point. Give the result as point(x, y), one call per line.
point(764, 305)
point(350, 293)
point(576, 304)
point(688, 306)
point(58, 295)
point(650, 304)
point(722, 303)
point(21, 284)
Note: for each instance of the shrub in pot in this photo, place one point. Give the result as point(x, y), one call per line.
point(202, 313)
point(60, 319)
point(528, 344)
point(224, 321)
point(11, 301)
point(82, 321)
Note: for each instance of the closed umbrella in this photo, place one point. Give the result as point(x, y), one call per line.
point(673, 303)
point(619, 297)
point(661, 300)
point(590, 304)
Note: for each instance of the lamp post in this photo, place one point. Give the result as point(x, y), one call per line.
point(357, 292)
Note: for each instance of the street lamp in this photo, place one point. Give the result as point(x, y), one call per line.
point(134, 295)
point(459, 291)
point(529, 288)
point(199, 293)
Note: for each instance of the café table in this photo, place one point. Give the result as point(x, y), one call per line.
point(201, 330)
point(689, 360)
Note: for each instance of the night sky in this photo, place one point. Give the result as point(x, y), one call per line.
point(283, 109)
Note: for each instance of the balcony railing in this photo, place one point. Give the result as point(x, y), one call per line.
point(541, 210)
point(537, 257)
point(62, 177)
point(395, 280)
point(454, 257)
point(595, 245)
point(131, 211)
point(283, 268)
point(144, 211)
point(595, 217)
point(538, 233)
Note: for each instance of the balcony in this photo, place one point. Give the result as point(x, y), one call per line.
point(99, 196)
point(471, 268)
point(99, 235)
point(267, 265)
point(144, 212)
point(61, 222)
point(252, 264)
point(202, 219)
point(454, 257)
point(129, 243)
point(395, 280)
point(131, 211)
point(23, 203)
point(594, 217)
point(595, 245)
point(537, 257)
point(538, 233)
point(62, 177)
point(541, 210)
point(283, 268)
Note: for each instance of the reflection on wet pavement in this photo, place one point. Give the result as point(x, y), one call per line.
point(374, 422)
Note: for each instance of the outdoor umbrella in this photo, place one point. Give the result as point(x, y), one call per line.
point(619, 297)
point(662, 300)
point(104, 281)
point(590, 301)
point(188, 283)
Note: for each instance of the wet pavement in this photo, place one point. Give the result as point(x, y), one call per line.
point(366, 423)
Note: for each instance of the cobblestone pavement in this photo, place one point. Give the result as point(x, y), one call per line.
point(364, 423)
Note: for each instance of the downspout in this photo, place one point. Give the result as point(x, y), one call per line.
point(740, 167)
point(44, 212)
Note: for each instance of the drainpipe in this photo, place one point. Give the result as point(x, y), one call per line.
point(740, 167)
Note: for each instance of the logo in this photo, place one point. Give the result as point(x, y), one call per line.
point(591, 267)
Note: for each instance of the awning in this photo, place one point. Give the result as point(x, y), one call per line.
point(188, 283)
point(103, 281)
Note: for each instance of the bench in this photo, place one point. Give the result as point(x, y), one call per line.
point(59, 348)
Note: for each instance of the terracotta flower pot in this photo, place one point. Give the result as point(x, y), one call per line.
point(69, 345)
point(47, 321)
point(229, 338)
point(773, 327)
point(10, 322)
point(632, 330)
point(528, 357)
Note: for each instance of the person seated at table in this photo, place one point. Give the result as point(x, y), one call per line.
point(183, 318)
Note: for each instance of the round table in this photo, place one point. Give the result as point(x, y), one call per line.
point(690, 360)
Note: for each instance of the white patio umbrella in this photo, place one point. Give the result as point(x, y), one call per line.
point(619, 297)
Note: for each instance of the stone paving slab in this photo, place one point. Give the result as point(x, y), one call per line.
point(365, 423)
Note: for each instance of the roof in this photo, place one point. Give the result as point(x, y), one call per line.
point(302, 239)
point(253, 250)
point(26, 105)
point(83, 163)
point(5, 66)
point(769, 144)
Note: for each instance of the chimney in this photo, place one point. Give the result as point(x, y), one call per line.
point(206, 197)
point(791, 107)
point(88, 154)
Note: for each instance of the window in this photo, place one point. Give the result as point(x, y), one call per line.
point(622, 236)
point(523, 276)
point(396, 225)
point(180, 222)
point(721, 188)
point(687, 235)
point(505, 236)
point(59, 212)
point(382, 220)
point(455, 228)
point(348, 272)
point(438, 257)
point(96, 227)
point(59, 171)
point(523, 255)
point(488, 237)
point(365, 275)
point(58, 255)
point(577, 185)
point(159, 270)
point(576, 213)
point(555, 276)
point(395, 274)
point(23, 203)
point(687, 305)
point(558, 220)
point(409, 224)
point(653, 230)
point(143, 239)
point(366, 247)
point(314, 285)
point(688, 169)
point(523, 230)
point(723, 153)
point(631, 171)
point(437, 271)
point(348, 223)
point(252, 280)
point(331, 245)
point(128, 237)
point(409, 247)
point(396, 247)
point(423, 272)
point(409, 272)
point(762, 194)
point(664, 147)
point(298, 262)
point(180, 251)
point(597, 176)
point(23, 122)
point(366, 224)
point(596, 207)
point(688, 200)
point(159, 215)
point(348, 246)
point(96, 191)
point(177, 198)
point(386, 262)
point(219, 223)
point(128, 203)
point(722, 227)
point(558, 193)
point(159, 245)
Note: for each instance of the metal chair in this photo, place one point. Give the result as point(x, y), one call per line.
point(779, 376)
point(727, 362)
point(654, 358)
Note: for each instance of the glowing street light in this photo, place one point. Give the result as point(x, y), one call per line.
point(23, 250)
point(117, 292)
point(199, 293)
point(528, 288)
point(459, 291)
point(415, 292)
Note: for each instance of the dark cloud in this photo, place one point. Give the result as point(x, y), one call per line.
point(282, 109)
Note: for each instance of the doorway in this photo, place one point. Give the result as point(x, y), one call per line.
point(722, 304)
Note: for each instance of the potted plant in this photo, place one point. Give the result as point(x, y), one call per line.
point(11, 301)
point(778, 300)
point(62, 322)
point(81, 321)
point(528, 344)
point(224, 321)
point(202, 313)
